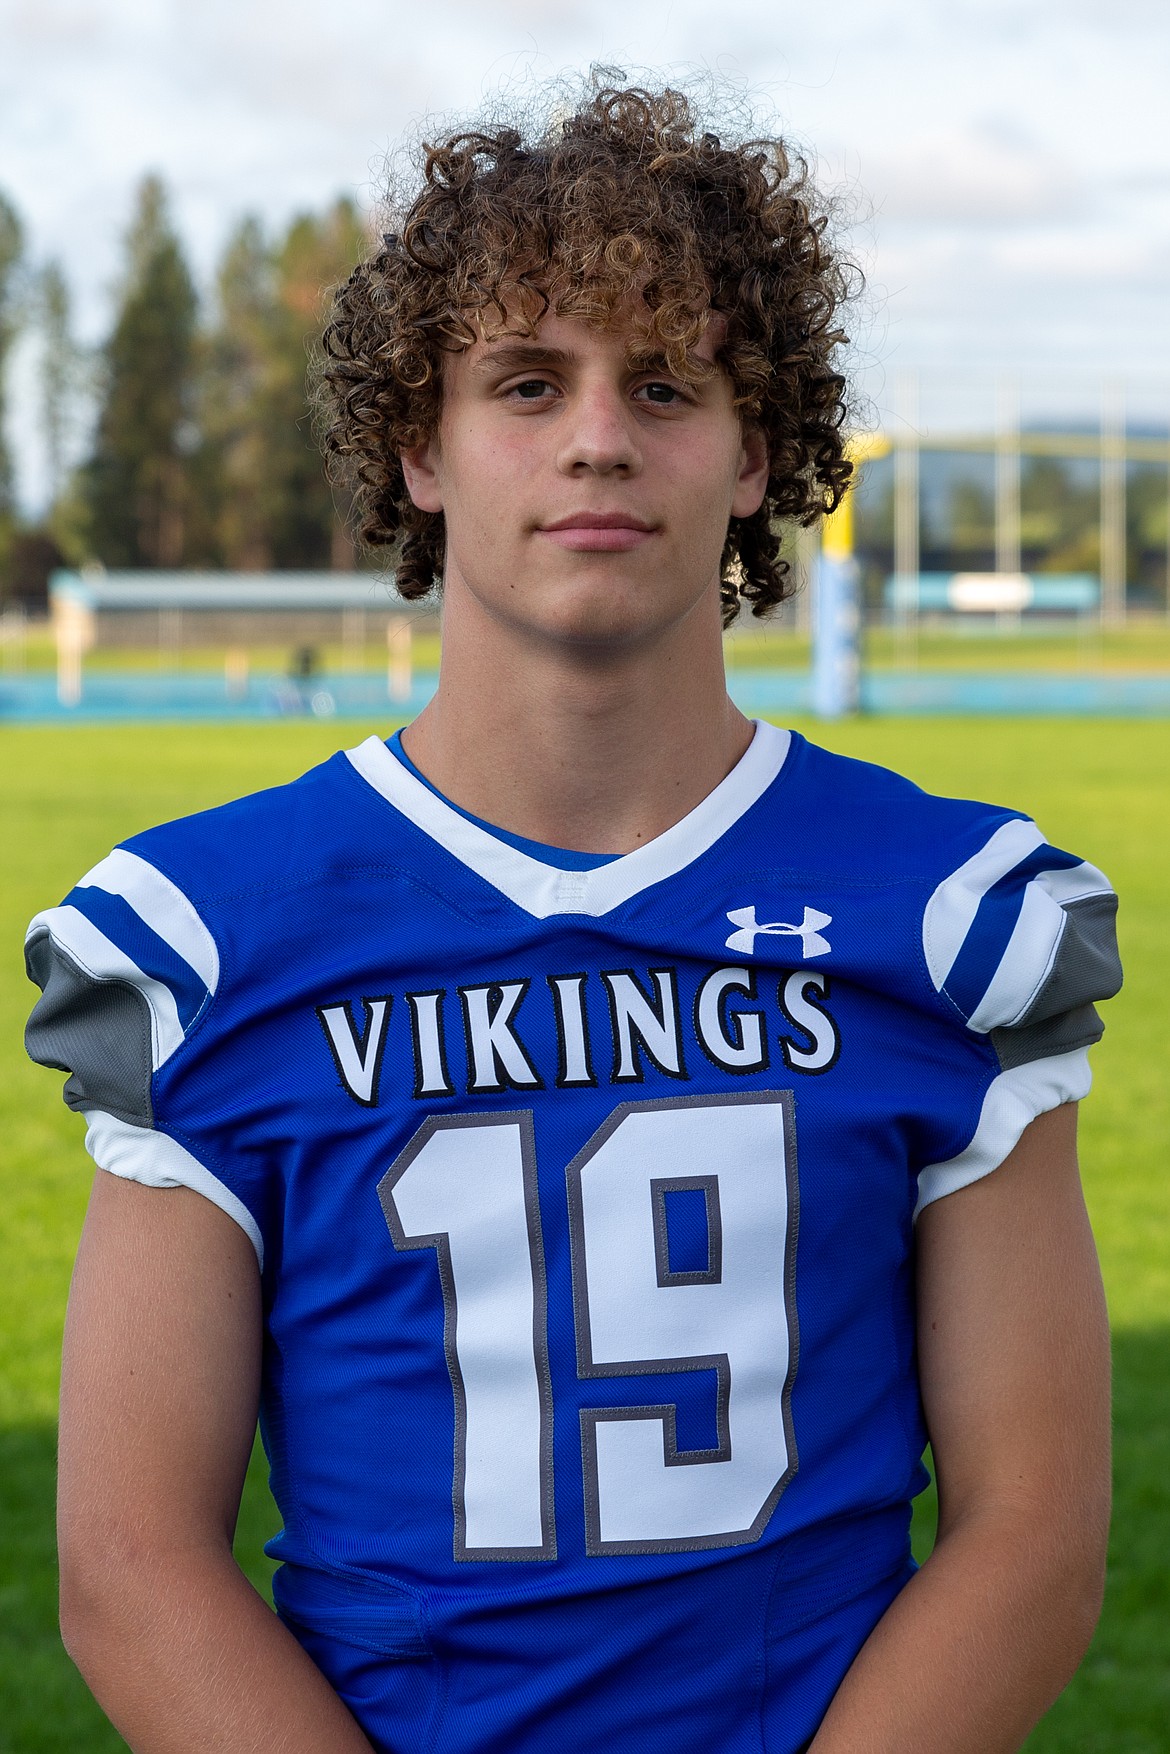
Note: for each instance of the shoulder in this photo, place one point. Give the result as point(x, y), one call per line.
point(862, 814)
point(132, 958)
point(282, 837)
point(1013, 930)
point(138, 962)
point(1012, 936)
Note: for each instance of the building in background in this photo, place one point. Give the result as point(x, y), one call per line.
point(1077, 511)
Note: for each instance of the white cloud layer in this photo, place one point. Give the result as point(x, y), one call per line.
point(1012, 156)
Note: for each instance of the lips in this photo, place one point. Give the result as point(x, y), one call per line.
point(599, 532)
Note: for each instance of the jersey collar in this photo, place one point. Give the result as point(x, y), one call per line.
point(543, 890)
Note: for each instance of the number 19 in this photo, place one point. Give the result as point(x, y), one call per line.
point(466, 1187)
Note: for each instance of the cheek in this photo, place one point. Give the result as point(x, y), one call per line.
point(486, 479)
point(702, 484)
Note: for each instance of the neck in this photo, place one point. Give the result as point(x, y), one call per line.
point(595, 748)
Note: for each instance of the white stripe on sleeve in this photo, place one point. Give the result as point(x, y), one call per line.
point(162, 905)
point(950, 912)
point(1075, 882)
point(1013, 1100)
point(1032, 948)
point(1026, 962)
point(139, 1154)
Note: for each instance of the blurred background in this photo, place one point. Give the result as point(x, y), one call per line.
point(179, 184)
point(183, 615)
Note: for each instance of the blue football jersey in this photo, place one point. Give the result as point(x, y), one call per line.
point(584, 1203)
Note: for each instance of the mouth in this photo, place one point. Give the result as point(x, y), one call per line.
point(598, 532)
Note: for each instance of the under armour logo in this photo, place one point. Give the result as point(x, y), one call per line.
point(808, 931)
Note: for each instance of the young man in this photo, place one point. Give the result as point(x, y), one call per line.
point(604, 1137)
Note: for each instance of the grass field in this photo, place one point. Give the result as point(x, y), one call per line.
point(68, 794)
point(1142, 646)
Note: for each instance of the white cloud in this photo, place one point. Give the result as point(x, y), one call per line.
point(1015, 157)
point(972, 175)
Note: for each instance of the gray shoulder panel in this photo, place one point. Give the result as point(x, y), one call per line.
point(96, 1030)
point(1078, 1028)
point(1062, 1015)
point(1086, 966)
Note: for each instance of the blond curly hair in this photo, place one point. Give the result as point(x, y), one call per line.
point(628, 202)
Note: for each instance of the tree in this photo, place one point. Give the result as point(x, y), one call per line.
point(11, 251)
point(137, 483)
point(235, 376)
point(262, 467)
point(315, 254)
point(66, 386)
point(59, 363)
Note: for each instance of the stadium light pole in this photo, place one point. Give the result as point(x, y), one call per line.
point(907, 520)
point(1113, 545)
point(836, 652)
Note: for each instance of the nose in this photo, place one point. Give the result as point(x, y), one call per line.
point(600, 435)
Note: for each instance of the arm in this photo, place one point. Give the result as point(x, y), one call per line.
point(1014, 1365)
point(159, 1387)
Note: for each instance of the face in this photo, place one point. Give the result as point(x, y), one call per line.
point(585, 501)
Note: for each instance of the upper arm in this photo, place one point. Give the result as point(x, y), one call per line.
point(1013, 1338)
point(161, 1361)
point(160, 1371)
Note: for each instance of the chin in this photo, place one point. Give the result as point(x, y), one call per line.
point(596, 608)
point(606, 622)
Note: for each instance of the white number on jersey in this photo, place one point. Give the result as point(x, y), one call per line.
point(633, 1315)
point(466, 1187)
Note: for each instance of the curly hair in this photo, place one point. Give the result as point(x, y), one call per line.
point(625, 204)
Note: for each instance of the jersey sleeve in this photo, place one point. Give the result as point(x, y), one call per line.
point(1020, 942)
point(126, 969)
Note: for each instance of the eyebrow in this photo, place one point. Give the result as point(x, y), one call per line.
point(519, 354)
point(531, 355)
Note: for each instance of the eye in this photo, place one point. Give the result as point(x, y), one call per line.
point(530, 390)
point(662, 395)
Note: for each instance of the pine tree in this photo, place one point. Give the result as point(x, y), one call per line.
point(262, 466)
point(306, 529)
point(59, 372)
point(235, 362)
point(137, 483)
point(11, 251)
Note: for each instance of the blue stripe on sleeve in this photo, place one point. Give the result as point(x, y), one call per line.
point(983, 948)
point(114, 917)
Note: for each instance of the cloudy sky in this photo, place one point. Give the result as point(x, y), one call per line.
point(1008, 161)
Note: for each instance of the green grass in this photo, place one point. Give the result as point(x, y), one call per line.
point(67, 795)
point(1141, 646)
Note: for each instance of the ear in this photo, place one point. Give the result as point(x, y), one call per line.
point(752, 481)
point(420, 467)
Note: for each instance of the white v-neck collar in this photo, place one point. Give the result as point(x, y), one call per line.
point(543, 890)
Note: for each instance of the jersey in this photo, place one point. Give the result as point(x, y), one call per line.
point(584, 1204)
